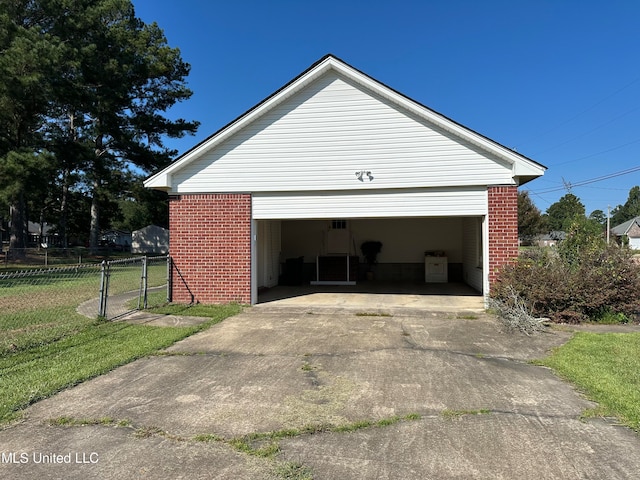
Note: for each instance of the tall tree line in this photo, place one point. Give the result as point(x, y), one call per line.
point(84, 90)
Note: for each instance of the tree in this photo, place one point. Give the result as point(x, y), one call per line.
point(561, 214)
point(629, 210)
point(584, 238)
point(84, 91)
point(599, 217)
point(121, 76)
point(530, 221)
point(28, 60)
point(142, 207)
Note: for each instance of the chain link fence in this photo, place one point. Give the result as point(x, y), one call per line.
point(10, 259)
point(132, 284)
point(41, 305)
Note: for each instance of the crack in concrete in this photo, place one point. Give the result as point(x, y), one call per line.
point(411, 346)
point(263, 445)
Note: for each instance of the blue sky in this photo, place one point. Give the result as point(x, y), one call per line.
point(559, 81)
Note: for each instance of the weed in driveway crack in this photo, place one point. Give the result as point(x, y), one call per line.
point(165, 353)
point(454, 414)
point(306, 367)
point(260, 443)
point(264, 445)
point(144, 431)
point(293, 471)
point(81, 422)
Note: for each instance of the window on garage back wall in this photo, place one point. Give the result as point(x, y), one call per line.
point(338, 224)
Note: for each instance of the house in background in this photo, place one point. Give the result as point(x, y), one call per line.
point(331, 160)
point(150, 239)
point(630, 230)
point(116, 239)
point(42, 234)
point(551, 239)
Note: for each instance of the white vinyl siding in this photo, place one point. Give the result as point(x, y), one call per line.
point(371, 204)
point(317, 139)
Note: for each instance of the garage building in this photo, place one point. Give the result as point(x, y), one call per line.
point(332, 160)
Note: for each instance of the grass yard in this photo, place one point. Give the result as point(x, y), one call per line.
point(46, 346)
point(42, 370)
point(606, 366)
point(38, 310)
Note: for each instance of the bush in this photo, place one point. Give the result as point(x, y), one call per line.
point(579, 281)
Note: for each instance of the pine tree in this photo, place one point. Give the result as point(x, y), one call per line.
point(629, 210)
point(29, 59)
point(121, 76)
point(530, 221)
point(562, 213)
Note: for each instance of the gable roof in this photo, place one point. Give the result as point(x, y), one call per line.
point(623, 228)
point(150, 228)
point(523, 169)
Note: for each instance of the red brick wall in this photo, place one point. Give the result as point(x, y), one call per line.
point(210, 245)
point(503, 228)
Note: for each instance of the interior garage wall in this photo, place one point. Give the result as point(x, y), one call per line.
point(269, 246)
point(404, 241)
point(472, 261)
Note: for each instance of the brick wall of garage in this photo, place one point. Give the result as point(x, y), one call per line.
point(210, 243)
point(210, 246)
point(503, 228)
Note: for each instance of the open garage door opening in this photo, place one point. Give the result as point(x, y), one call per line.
point(418, 255)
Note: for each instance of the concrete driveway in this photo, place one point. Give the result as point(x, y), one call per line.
point(471, 406)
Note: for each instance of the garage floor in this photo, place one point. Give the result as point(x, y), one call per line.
point(375, 296)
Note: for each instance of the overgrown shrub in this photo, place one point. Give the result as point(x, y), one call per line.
point(581, 280)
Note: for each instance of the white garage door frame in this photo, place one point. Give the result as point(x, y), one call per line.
point(453, 202)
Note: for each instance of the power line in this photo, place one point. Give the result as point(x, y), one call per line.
point(607, 188)
point(592, 180)
point(540, 197)
point(582, 112)
point(597, 153)
point(586, 133)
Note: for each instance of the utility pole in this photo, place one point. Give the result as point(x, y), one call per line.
point(608, 222)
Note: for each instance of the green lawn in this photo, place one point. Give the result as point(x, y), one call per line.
point(38, 310)
point(46, 346)
point(606, 367)
point(41, 370)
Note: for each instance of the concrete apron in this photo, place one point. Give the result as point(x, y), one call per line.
point(377, 298)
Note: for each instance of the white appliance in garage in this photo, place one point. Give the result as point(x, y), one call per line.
point(435, 269)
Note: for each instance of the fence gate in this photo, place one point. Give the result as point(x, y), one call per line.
point(45, 299)
point(127, 285)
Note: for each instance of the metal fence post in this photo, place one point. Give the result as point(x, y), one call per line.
point(145, 282)
point(169, 278)
point(104, 288)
